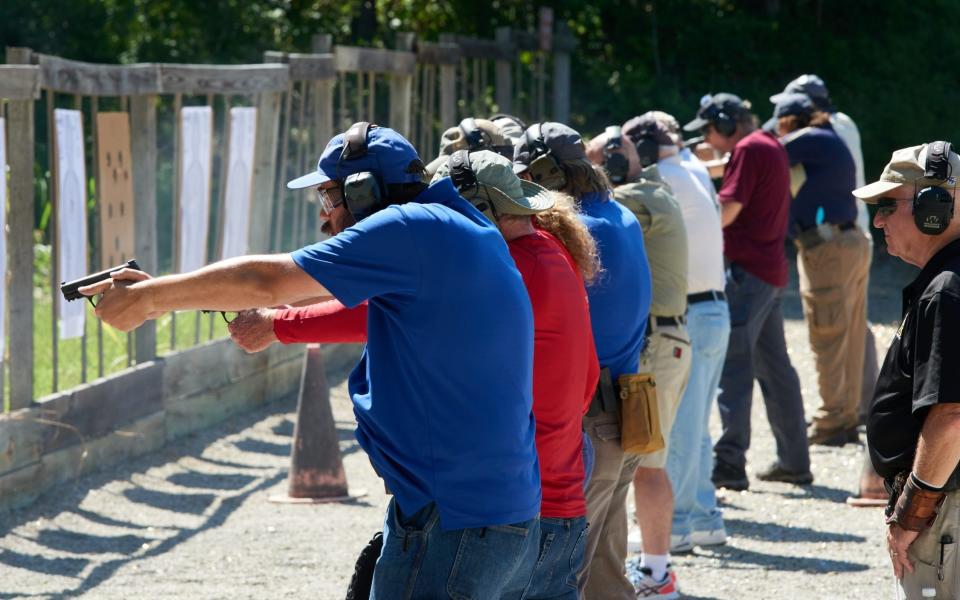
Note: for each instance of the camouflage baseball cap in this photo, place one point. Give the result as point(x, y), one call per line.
point(906, 167)
point(497, 183)
point(471, 134)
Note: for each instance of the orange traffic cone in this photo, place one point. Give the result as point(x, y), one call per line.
point(316, 469)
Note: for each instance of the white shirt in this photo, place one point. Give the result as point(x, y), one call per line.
point(701, 217)
point(848, 132)
point(693, 164)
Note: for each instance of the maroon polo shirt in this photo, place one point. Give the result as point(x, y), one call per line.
point(758, 177)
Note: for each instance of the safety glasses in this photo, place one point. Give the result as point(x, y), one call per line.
point(329, 199)
point(888, 206)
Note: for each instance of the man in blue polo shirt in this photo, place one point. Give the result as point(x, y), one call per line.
point(442, 394)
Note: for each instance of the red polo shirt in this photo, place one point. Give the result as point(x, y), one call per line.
point(565, 367)
point(758, 177)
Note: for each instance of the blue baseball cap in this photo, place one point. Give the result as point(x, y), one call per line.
point(793, 104)
point(389, 156)
point(812, 86)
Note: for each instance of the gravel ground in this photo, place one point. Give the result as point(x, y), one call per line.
point(194, 520)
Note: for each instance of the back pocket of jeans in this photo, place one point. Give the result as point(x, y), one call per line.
point(488, 559)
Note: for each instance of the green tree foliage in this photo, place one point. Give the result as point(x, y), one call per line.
point(887, 64)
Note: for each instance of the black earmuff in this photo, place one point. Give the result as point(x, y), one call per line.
point(544, 169)
point(363, 191)
point(933, 205)
point(615, 163)
point(465, 180)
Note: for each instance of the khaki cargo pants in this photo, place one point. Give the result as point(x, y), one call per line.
point(934, 556)
point(833, 288)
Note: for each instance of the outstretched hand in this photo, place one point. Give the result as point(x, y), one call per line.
point(252, 330)
point(121, 306)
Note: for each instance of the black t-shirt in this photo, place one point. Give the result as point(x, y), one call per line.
point(922, 367)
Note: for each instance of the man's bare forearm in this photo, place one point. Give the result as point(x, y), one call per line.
point(233, 284)
point(938, 451)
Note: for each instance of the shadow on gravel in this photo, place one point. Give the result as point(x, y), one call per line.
point(816, 492)
point(774, 532)
point(196, 479)
point(194, 504)
point(780, 562)
point(262, 447)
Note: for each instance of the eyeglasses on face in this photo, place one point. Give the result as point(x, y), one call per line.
point(887, 206)
point(329, 198)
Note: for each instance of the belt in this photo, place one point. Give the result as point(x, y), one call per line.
point(706, 297)
point(840, 226)
point(824, 232)
point(669, 321)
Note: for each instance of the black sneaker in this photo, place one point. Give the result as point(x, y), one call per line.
point(729, 476)
point(776, 472)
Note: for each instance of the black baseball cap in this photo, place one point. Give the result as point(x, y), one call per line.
point(812, 86)
point(712, 106)
point(559, 140)
point(793, 104)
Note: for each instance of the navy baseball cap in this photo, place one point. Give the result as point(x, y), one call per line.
point(812, 86)
point(559, 140)
point(793, 104)
point(389, 156)
point(712, 106)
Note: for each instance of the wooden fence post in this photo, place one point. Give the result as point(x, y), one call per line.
point(563, 45)
point(448, 91)
point(401, 91)
point(143, 134)
point(20, 127)
point(323, 98)
point(264, 171)
point(504, 74)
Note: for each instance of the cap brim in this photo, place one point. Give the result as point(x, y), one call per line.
point(869, 193)
point(519, 167)
point(308, 180)
point(776, 98)
point(696, 124)
point(535, 199)
point(771, 125)
point(434, 165)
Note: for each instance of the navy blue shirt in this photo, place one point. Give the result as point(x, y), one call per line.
point(831, 177)
point(620, 297)
point(443, 391)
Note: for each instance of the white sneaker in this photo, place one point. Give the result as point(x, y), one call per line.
point(711, 537)
point(680, 544)
point(634, 541)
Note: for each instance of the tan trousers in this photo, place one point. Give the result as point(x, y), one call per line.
point(667, 356)
point(602, 575)
point(833, 287)
point(929, 571)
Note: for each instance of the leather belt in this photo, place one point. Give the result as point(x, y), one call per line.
point(676, 321)
point(706, 296)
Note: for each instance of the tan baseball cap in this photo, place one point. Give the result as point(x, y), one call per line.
point(906, 167)
point(497, 183)
point(486, 135)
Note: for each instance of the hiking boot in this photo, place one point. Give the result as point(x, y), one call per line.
point(832, 437)
point(729, 476)
point(709, 537)
point(776, 472)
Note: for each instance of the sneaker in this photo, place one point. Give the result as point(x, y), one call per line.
point(728, 476)
point(709, 537)
point(776, 472)
point(634, 540)
point(649, 588)
point(832, 437)
point(680, 544)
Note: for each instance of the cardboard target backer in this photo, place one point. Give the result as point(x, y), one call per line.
point(243, 133)
point(115, 187)
point(71, 214)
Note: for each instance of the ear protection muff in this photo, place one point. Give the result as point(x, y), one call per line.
point(726, 125)
point(465, 180)
point(362, 192)
point(933, 205)
point(472, 134)
point(544, 169)
point(513, 118)
point(615, 163)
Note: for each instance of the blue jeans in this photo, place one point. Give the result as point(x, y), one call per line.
point(420, 560)
point(758, 349)
point(589, 456)
point(690, 454)
point(562, 542)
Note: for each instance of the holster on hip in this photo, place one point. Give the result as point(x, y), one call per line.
point(607, 398)
point(639, 414)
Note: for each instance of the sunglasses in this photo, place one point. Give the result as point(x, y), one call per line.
point(888, 206)
point(327, 200)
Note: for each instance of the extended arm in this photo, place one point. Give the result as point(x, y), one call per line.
point(729, 209)
point(327, 322)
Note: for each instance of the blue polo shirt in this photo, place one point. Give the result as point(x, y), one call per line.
point(443, 391)
point(620, 297)
point(831, 177)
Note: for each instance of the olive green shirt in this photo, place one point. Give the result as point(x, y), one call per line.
point(664, 237)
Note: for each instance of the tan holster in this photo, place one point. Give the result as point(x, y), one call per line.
point(639, 414)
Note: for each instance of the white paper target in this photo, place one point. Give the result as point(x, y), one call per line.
point(3, 238)
point(71, 215)
point(236, 224)
point(196, 134)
